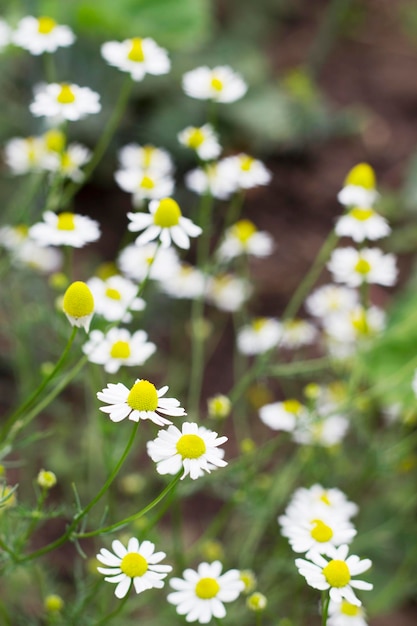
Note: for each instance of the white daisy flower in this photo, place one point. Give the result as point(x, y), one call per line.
point(354, 324)
point(330, 299)
point(362, 223)
point(282, 415)
point(26, 252)
point(368, 265)
point(142, 401)
point(221, 84)
point(346, 614)
point(5, 34)
point(188, 282)
point(42, 34)
point(137, 564)
point(134, 261)
point(359, 187)
point(214, 178)
point(137, 57)
point(23, 155)
point(78, 305)
point(204, 140)
point(165, 222)
point(200, 595)
point(246, 171)
point(316, 532)
point(145, 184)
point(320, 430)
point(297, 333)
point(68, 162)
point(261, 335)
point(114, 297)
point(323, 501)
point(63, 101)
point(194, 449)
point(227, 292)
point(118, 347)
point(147, 157)
point(64, 229)
point(335, 574)
point(244, 238)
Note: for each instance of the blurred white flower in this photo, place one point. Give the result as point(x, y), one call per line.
point(331, 299)
point(137, 261)
point(214, 179)
point(145, 184)
point(368, 265)
point(204, 140)
point(23, 155)
point(359, 189)
point(137, 57)
point(115, 297)
point(64, 229)
point(244, 238)
point(221, 84)
point(246, 172)
point(227, 292)
point(261, 335)
point(41, 34)
point(136, 157)
point(118, 347)
point(64, 101)
point(362, 223)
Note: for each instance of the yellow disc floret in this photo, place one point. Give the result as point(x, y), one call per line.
point(134, 565)
point(191, 446)
point(337, 573)
point(143, 396)
point(362, 175)
point(216, 84)
point(147, 183)
point(54, 140)
point(243, 230)
point(113, 294)
point(78, 300)
point(347, 608)
point(46, 25)
point(136, 51)
point(292, 406)
point(148, 153)
point(320, 531)
point(66, 221)
point(120, 350)
point(167, 214)
point(363, 267)
point(246, 163)
point(360, 214)
point(195, 138)
point(66, 95)
point(207, 588)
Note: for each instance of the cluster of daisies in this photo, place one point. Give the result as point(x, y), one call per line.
point(317, 523)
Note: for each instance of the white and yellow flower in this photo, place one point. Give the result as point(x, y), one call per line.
point(246, 172)
point(193, 449)
point(261, 335)
point(346, 614)
point(118, 347)
point(138, 564)
point(142, 401)
point(244, 238)
point(24, 155)
point(297, 333)
point(145, 184)
point(136, 157)
point(331, 299)
point(187, 282)
point(136, 262)
point(204, 140)
point(69, 162)
point(78, 305)
point(115, 297)
point(335, 574)
point(64, 229)
point(323, 501)
point(214, 179)
point(362, 223)
point(24, 251)
point(227, 291)
point(64, 101)
point(316, 532)
point(137, 56)
point(164, 222)
point(283, 415)
point(368, 265)
point(220, 84)
point(42, 34)
point(359, 188)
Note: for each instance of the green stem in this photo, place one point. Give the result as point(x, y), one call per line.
point(37, 392)
point(114, 613)
point(325, 600)
point(18, 209)
point(49, 67)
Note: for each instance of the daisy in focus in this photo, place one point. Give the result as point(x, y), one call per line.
point(78, 305)
point(346, 614)
point(164, 222)
point(137, 57)
point(359, 188)
point(261, 335)
point(138, 564)
point(246, 172)
point(118, 347)
point(42, 34)
point(64, 101)
point(220, 84)
point(244, 238)
point(200, 595)
point(115, 297)
point(193, 448)
point(368, 265)
point(142, 401)
point(362, 223)
point(204, 140)
point(335, 574)
point(64, 229)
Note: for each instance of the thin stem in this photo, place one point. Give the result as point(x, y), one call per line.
point(114, 613)
point(325, 600)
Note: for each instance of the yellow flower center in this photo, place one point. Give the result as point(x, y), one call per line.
point(325, 498)
point(66, 221)
point(113, 294)
point(337, 573)
point(66, 161)
point(246, 163)
point(360, 323)
point(191, 447)
point(292, 406)
point(46, 25)
point(363, 267)
point(136, 51)
point(216, 84)
point(147, 183)
point(134, 565)
point(54, 140)
point(195, 138)
point(120, 350)
point(259, 323)
point(349, 609)
point(78, 300)
point(361, 214)
point(362, 175)
point(167, 214)
point(148, 152)
point(31, 148)
point(207, 588)
point(321, 532)
point(22, 230)
point(243, 230)
point(66, 95)
point(143, 396)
